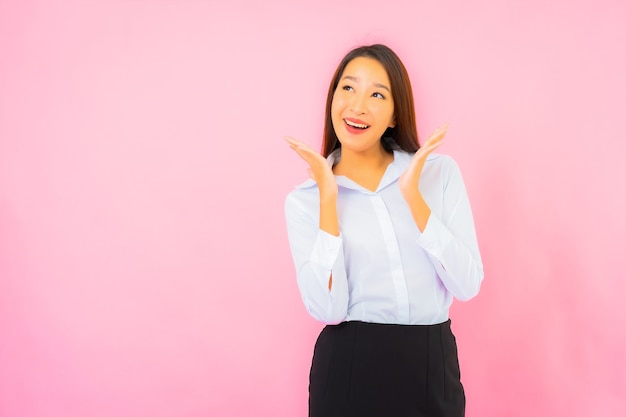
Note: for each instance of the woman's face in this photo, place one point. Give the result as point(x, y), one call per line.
point(362, 107)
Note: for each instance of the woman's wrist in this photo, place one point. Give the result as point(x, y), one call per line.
point(419, 208)
point(329, 221)
point(328, 192)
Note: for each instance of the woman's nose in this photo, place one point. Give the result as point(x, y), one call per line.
point(357, 105)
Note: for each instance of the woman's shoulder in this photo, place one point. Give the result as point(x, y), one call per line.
point(441, 159)
point(438, 166)
point(404, 158)
point(303, 194)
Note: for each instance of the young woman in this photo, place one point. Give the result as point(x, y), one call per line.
point(382, 238)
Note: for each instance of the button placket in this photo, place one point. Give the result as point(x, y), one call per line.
point(395, 260)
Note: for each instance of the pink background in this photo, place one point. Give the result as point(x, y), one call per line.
point(144, 266)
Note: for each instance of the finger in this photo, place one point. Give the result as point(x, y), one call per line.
point(311, 157)
point(303, 149)
point(439, 133)
point(443, 127)
point(429, 147)
point(436, 138)
point(295, 142)
point(305, 152)
point(302, 153)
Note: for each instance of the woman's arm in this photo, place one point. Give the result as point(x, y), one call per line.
point(451, 240)
point(318, 258)
point(324, 259)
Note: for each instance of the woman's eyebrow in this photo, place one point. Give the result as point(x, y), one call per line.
point(378, 85)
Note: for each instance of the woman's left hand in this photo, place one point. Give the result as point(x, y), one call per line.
point(409, 180)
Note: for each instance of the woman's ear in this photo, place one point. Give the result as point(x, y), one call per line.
point(393, 122)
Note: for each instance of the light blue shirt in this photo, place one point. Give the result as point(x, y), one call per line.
point(384, 269)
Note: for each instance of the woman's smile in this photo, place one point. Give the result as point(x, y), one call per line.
point(355, 126)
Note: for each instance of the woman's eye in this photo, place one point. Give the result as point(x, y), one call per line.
point(347, 88)
point(378, 95)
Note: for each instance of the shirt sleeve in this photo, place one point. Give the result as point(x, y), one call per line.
point(317, 255)
point(450, 239)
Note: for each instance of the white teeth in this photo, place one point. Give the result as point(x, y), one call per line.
point(357, 125)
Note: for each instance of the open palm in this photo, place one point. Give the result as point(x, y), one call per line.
point(409, 180)
point(319, 170)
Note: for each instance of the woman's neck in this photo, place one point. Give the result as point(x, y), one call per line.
point(374, 159)
point(364, 168)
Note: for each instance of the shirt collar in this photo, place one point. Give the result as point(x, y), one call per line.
point(400, 163)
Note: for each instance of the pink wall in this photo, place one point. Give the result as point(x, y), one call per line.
point(144, 267)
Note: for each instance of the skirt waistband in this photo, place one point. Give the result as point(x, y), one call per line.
point(446, 323)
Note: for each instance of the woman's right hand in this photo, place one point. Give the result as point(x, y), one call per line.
point(319, 169)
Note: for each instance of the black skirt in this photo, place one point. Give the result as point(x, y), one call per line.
point(386, 370)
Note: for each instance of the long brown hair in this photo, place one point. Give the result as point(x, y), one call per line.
point(404, 134)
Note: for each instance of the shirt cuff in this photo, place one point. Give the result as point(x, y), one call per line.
point(326, 249)
point(435, 237)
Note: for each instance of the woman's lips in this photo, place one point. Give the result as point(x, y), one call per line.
point(355, 126)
